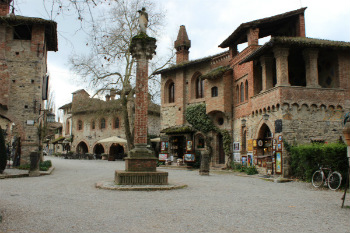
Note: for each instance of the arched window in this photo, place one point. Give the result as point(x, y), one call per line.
point(242, 92)
point(103, 123)
point(246, 90)
point(80, 124)
point(199, 88)
point(214, 92)
point(171, 92)
point(116, 123)
point(237, 94)
point(93, 125)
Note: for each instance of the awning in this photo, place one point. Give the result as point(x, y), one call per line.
point(113, 139)
point(155, 140)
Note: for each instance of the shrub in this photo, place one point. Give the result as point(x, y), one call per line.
point(160, 163)
point(46, 163)
point(251, 170)
point(3, 155)
point(306, 159)
point(24, 166)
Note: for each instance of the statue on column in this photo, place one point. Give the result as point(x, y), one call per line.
point(143, 20)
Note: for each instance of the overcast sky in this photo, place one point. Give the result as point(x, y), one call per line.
point(208, 23)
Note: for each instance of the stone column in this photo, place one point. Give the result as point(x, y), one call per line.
point(141, 164)
point(267, 72)
point(142, 48)
point(281, 55)
point(310, 57)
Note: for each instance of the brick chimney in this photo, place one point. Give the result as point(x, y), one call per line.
point(5, 7)
point(182, 45)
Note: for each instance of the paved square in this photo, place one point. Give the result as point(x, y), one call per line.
point(67, 201)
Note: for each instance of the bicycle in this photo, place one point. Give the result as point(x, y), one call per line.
point(333, 180)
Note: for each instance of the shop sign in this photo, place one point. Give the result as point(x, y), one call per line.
point(250, 145)
point(163, 157)
point(237, 157)
point(279, 162)
point(189, 157)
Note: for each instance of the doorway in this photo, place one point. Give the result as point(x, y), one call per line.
point(82, 148)
point(116, 151)
point(221, 150)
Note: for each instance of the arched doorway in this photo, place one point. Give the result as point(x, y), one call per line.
point(264, 150)
point(116, 151)
point(221, 152)
point(82, 148)
point(98, 150)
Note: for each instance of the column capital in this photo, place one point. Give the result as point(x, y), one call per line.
point(143, 46)
point(266, 59)
point(310, 53)
point(281, 52)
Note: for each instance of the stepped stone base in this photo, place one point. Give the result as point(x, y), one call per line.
point(140, 178)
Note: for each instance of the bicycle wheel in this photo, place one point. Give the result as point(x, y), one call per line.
point(317, 179)
point(334, 180)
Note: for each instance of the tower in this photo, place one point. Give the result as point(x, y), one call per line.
point(182, 45)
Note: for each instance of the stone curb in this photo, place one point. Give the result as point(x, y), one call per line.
point(109, 185)
point(42, 173)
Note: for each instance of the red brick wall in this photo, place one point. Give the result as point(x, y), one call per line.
point(4, 9)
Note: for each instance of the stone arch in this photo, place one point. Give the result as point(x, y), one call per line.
point(194, 80)
point(82, 148)
point(295, 107)
point(339, 107)
point(98, 149)
point(261, 128)
point(273, 108)
point(268, 109)
point(166, 96)
point(278, 107)
point(285, 107)
point(331, 107)
point(304, 107)
point(199, 141)
point(116, 151)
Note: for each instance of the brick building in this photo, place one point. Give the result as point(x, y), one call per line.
point(87, 120)
point(24, 43)
point(292, 89)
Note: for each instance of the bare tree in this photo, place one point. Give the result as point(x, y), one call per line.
point(109, 63)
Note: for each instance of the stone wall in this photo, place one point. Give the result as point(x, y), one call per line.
point(23, 68)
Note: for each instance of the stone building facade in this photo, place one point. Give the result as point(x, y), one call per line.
point(290, 90)
point(87, 120)
point(24, 43)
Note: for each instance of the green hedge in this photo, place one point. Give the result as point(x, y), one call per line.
point(306, 159)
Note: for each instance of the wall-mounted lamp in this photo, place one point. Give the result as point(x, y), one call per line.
point(266, 117)
point(243, 122)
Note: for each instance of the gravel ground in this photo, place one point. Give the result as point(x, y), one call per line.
point(67, 201)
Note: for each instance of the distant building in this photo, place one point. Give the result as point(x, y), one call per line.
point(292, 89)
point(87, 120)
point(24, 43)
